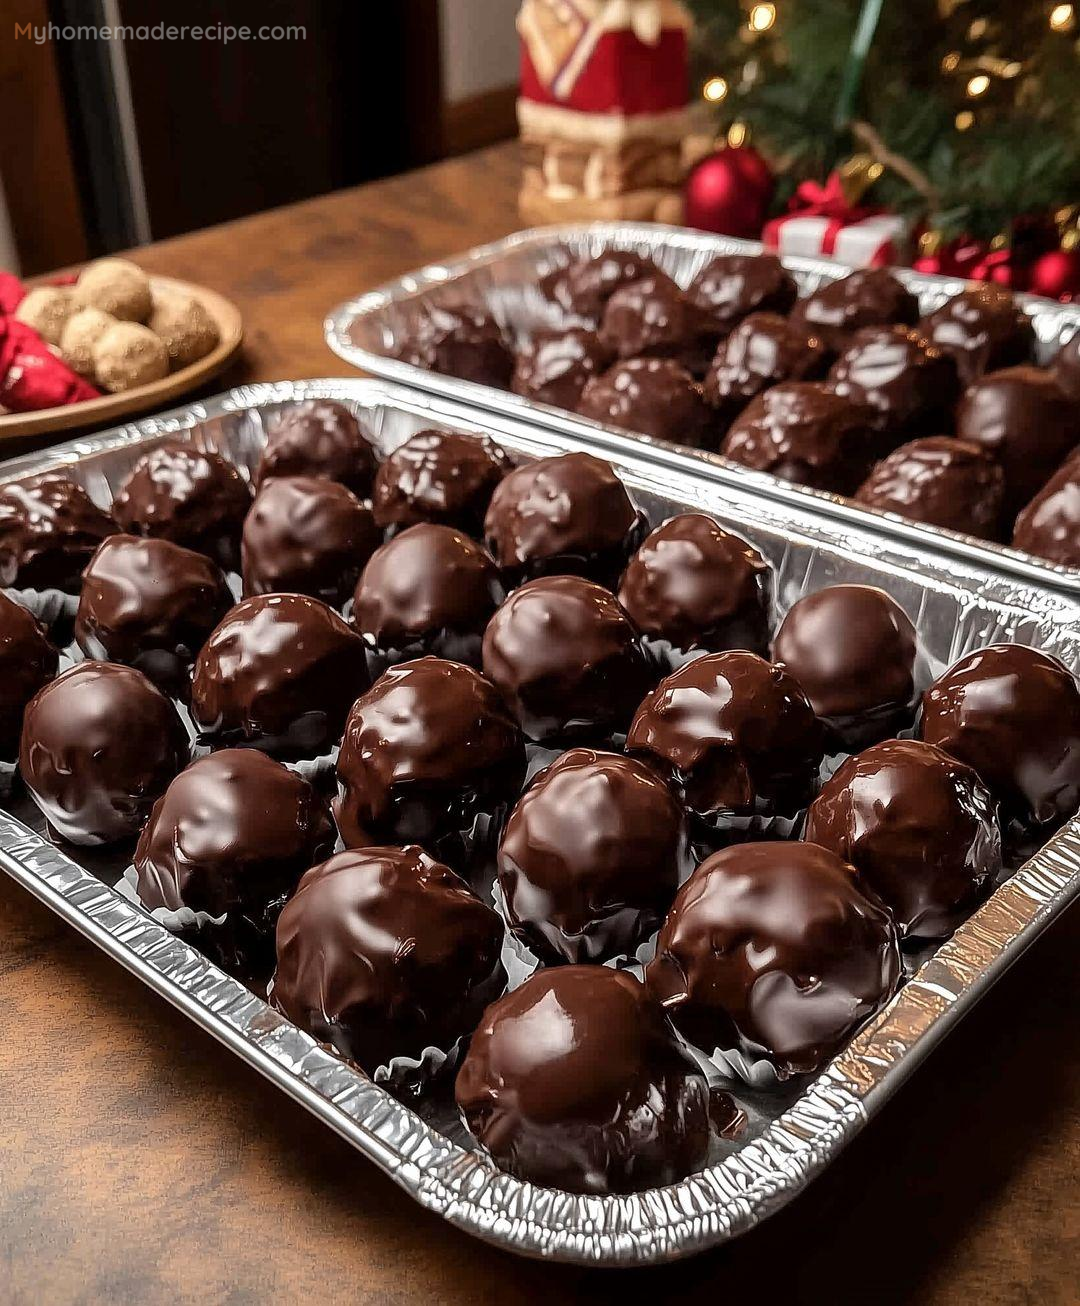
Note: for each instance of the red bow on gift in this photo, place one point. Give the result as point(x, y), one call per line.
point(813, 200)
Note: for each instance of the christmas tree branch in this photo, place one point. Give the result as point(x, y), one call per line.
point(919, 182)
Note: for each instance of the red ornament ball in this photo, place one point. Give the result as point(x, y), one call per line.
point(729, 192)
point(1056, 274)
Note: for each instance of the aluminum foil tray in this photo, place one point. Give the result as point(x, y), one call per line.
point(502, 277)
point(793, 1133)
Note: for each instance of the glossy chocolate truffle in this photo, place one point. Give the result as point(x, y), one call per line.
point(1013, 714)
point(908, 384)
point(99, 746)
point(804, 433)
point(555, 365)
point(49, 529)
point(383, 952)
point(279, 672)
point(27, 662)
point(983, 328)
point(460, 341)
point(591, 857)
point(445, 477)
point(180, 493)
point(567, 659)
point(852, 648)
point(319, 438)
point(734, 734)
point(1024, 418)
point(150, 604)
point(941, 481)
point(569, 513)
point(305, 535)
point(652, 318)
point(761, 351)
point(866, 297)
point(430, 589)
point(1066, 367)
point(1049, 526)
point(576, 1081)
point(584, 288)
point(429, 748)
point(774, 949)
point(919, 827)
point(732, 286)
point(653, 396)
point(694, 585)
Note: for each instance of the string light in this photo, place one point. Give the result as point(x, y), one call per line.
point(715, 89)
point(1061, 18)
point(762, 17)
point(951, 62)
point(1012, 69)
point(978, 85)
point(737, 134)
point(964, 119)
point(977, 30)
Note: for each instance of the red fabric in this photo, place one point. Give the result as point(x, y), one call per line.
point(623, 75)
point(31, 375)
point(12, 292)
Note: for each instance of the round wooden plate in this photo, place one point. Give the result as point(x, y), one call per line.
point(143, 398)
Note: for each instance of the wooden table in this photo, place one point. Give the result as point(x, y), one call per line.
point(140, 1162)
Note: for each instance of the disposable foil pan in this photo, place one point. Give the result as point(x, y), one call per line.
point(793, 1133)
point(369, 330)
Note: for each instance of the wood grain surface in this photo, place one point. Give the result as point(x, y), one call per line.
point(142, 1163)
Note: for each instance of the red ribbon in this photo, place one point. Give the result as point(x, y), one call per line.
point(814, 200)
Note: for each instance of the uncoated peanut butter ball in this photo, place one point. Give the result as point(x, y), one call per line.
point(115, 286)
point(127, 355)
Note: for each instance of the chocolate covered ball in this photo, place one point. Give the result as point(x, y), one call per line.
point(1013, 715)
point(941, 481)
point(1023, 417)
point(732, 286)
point(49, 529)
point(733, 733)
point(919, 827)
point(279, 672)
point(865, 297)
point(774, 949)
point(802, 432)
point(569, 513)
point(762, 350)
point(460, 341)
point(584, 288)
point(555, 365)
point(653, 396)
point(152, 605)
point(430, 589)
point(429, 748)
point(1066, 367)
point(383, 952)
point(853, 650)
point(591, 857)
point(445, 477)
point(652, 318)
point(567, 660)
point(319, 438)
point(576, 1081)
point(695, 586)
point(27, 662)
point(908, 384)
point(983, 328)
point(1049, 526)
point(194, 498)
point(99, 746)
point(306, 535)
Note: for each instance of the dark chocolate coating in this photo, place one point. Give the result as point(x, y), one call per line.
point(941, 481)
point(697, 586)
point(584, 288)
point(279, 672)
point(567, 659)
point(427, 749)
point(734, 733)
point(732, 286)
point(150, 604)
point(445, 477)
point(591, 857)
point(319, 438)
point(774, 948)
point(983, 328)
point(654, 396)
point(762, 350)
point(306, 535)
point(429, 589)
point(99, 746)
point(575, 1081)
point(555, 365)
point(27, 662)
point(909, 385)
point(652, 318)
point(1049, 526)
point(1023, 417)
point(865, 297)
point(179, 493)
point(803, 432)
point(49, 529)
point(1066, 367)
point(383, 952)
point(460, 341)
point(1013, 714)
point(569, 513)
point(919, 827)
point(852, 648)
